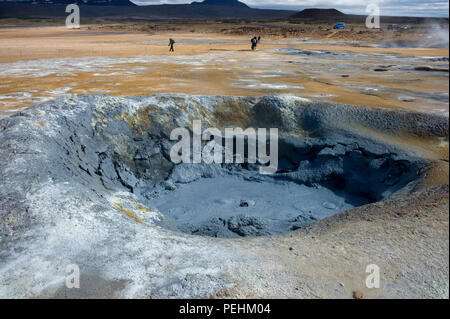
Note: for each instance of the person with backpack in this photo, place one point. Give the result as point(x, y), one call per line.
point(254, 43)
point(171, 43)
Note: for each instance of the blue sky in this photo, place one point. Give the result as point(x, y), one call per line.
point(429, 8)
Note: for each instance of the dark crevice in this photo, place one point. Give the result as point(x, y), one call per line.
point(129, 187)
point(86, 170)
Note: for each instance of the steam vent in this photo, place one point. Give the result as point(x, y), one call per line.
point(88, 180)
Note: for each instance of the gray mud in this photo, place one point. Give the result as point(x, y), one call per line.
point(87, 180)
point(232, 206)
point(109, 144)
point(316, 178)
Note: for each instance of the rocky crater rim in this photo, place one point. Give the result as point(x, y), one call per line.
point(326, 161)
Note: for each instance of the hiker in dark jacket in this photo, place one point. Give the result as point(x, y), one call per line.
point(171, 43)
point(254, 43)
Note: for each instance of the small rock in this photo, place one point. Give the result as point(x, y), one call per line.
point(170, 186)
point(358, 294)
point(406, 98)
point(423, 68)
point(247, 226)
point(329, 205)
point(126, 175)
point(249, 202)
point(243, 203)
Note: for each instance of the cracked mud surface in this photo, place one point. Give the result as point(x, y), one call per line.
point(87, 178)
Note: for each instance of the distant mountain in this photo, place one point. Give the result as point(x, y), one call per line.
point(126, 10)
point(102, 2)
point(229, 3)
point(319, 14)
point(80, 2)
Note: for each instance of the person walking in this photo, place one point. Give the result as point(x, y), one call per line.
point(171, 43)
point(254, 43)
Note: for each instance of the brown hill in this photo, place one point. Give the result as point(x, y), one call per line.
point(319, 14)
point(231, 3)
point(150, 12)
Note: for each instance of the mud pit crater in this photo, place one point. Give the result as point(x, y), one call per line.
point(326, 163)
point(315, 179)
point(82, 177)
point(325, 166)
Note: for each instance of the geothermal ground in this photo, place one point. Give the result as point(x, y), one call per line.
point(87, 178)
point(330, 66)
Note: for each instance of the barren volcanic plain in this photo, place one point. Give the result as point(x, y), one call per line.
point(125, 60)
point(85, 116)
